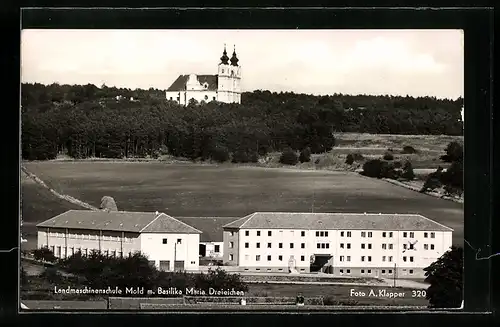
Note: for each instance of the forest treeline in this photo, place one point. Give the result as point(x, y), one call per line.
point(107, 122)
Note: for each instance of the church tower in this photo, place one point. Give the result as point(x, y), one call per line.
point(228, 81)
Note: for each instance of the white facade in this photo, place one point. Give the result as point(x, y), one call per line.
point(177, 247)
point(213, 249)
point(373, 253)
point(223, 87)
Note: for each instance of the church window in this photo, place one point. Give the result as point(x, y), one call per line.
point(222, 70)
point(206, 97)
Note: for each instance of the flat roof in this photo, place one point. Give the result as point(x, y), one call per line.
point(121, 221)
point(337, 221)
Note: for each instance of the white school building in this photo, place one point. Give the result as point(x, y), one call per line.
point(372, 245)
point(168, 243)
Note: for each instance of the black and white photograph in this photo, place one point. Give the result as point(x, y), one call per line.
point(225, 169)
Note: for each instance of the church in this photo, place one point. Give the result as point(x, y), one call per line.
point(223, 87)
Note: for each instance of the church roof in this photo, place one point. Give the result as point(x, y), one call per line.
point(180, 83)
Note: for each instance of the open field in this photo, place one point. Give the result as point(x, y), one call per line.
point(229, 191)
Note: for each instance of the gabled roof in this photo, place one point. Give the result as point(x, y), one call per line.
point(122, 221)
point(180, 83)
point(210, 226)
point(336, 221)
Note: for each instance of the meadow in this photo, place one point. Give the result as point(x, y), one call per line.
point(191, 190)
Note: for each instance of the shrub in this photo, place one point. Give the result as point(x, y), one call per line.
point(220, 154)
point(453, 176)
point(289, 157)
point(388, 156)
point(253, 157)
point(220, 279)
point(317, 161)
point(408, 173)
point(305, 155)
point(330, 300)
point(373, 168)
point(51, 274)
point(358, 156)
point(349, 159)
point(44, 254)
point(408, 149)
point(397, 164)
point(240, 156)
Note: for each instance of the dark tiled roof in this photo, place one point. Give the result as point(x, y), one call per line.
point(180, 83)
point(211, 227)
point(336, 221)
point(121, 221)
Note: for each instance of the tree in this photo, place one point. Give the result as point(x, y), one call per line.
point(453, 178)
point(349, 159)
point(44, 254)
point(51, 274)
point(220, 154)
point(388, 156)
point(454, 152)
point(408, 173)
point(433, 181)
point(408, 149)
point(373, 168)
point(305, 155)
point(108, 203)
point(445, 277)
point(289, 157)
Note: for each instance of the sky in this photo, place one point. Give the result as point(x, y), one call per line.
point(320, 62)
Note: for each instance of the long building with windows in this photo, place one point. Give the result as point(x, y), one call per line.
point(168, 243)
point(372, 245)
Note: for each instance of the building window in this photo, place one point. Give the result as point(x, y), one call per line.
point(171, 99)
point(426, 234)
point(179, 241)
point(318, 245)
point(363, 234)
point(369, 258)
point(280, 258)
point(258, 233)
point(404, 259)
point(384, 234)
point(341, 258)
point(411, 259)
point(348, 271)
point(269, 233)
point(321, 234)
point(280, 245)
point(247, 245)
point(317, 234)
point(291, 245)
point(326, 234)
point(405, 246)
point(383, 271)
point(268, 258)
point(369, 246)
point(412, 234)
point(341, 245)
point(370, 234)
point(342, 234)
point(384, 246)
point(231, 244)
point(390, 258)
point(405, 234)
point(348, 258)
point(327, 245)
point(348, 234)
point(390, 246)
point(178, 98)
point(247, 233)
point(348, 245)
point(341, 271)
point(411, 271)
point(362, 271)
point(432, 246)
point(302, 258)
point(222, 70)
point(302, 233)
point(369, 271)
point(323, 245)
point(390, 271)
point(363, 245)
point(390, 234)
point(433, 235)
point(258, 245)
point(269, 245)
point(426, 246)
point(257, 257)
point(214, 98)
point(217, 248)
point(230, 257)
point(363, 258)
point(231, 233)
point(164, 241)
point(383, 258)
point(303, 245)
